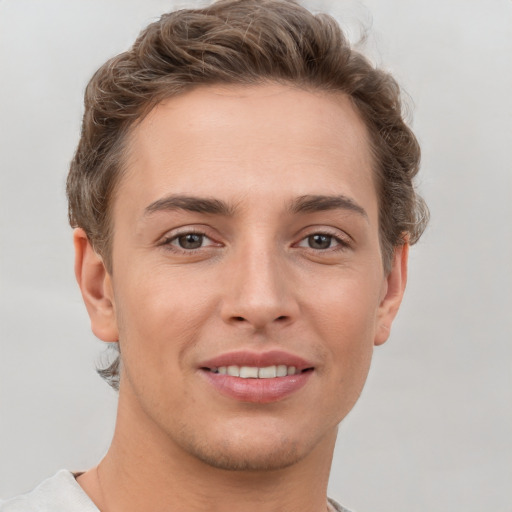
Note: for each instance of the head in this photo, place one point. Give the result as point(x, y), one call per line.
point(218, 51)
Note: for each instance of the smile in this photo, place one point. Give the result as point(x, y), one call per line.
point(262, 378)
point(254, 372)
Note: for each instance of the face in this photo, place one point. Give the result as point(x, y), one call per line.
point(248, 289)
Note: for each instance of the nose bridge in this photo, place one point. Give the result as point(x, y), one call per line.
point(258, 291)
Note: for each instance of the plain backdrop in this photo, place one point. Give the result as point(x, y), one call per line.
point(433, 428)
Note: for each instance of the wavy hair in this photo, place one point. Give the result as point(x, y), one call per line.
point(240, 42)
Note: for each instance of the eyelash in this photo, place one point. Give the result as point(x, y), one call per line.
point(167, 242)
point(341, 243)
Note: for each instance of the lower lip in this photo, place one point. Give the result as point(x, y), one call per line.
point(260, 391)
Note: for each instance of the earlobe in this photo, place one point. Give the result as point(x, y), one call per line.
point(96, 286)
point(393, 293)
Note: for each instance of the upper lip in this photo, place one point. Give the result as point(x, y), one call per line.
point(257, 359)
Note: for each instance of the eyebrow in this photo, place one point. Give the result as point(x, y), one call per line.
point(319, 203)
point(191, 204)
point(302, 204)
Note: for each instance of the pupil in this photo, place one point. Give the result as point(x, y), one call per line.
point(320, 241)
point(191, 241)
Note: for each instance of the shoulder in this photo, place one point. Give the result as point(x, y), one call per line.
point(336, 507)
point(60, 493)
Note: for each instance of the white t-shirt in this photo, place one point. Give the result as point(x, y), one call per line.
point(62, 493)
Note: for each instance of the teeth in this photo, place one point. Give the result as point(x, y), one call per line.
point(282, 370)
point(234, 371)
point(269, 372)
point(248, 372)
point(253, 372)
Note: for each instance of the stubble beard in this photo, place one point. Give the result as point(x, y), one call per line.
point(228, 456)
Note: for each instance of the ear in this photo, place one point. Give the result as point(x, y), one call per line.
point(96, 286)
point(392, 293)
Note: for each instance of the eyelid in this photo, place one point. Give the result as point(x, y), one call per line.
point(172, 235)
point(343, 238)
point(340, 244)
point(176, 238)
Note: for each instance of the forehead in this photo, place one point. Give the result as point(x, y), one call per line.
point(250, 143)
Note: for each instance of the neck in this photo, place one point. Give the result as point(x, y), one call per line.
point(144, 470)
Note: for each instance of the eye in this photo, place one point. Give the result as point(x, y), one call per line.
point(321, 241)
point(188, 241)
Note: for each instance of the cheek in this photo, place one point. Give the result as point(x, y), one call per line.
point(348, 305)
point(163, 314)
point(158, 319)
point(345, 319)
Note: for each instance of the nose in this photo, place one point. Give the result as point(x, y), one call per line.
point(259, 290)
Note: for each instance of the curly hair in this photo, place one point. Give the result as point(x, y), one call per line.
point(240, 42)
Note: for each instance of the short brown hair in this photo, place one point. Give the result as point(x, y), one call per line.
point(241, 42)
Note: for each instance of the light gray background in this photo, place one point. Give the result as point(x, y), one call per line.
point(432, 431)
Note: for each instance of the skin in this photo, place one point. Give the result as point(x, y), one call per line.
point(258, 281)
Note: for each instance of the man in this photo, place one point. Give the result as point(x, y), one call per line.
point(243, 205)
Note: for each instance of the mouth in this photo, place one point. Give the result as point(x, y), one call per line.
point(255, 372)
point(257, 377)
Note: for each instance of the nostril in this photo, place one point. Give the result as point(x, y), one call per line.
point(258, 323)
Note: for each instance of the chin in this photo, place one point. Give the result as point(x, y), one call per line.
point(247, 450)
point(232, 458)
point(254, 440)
